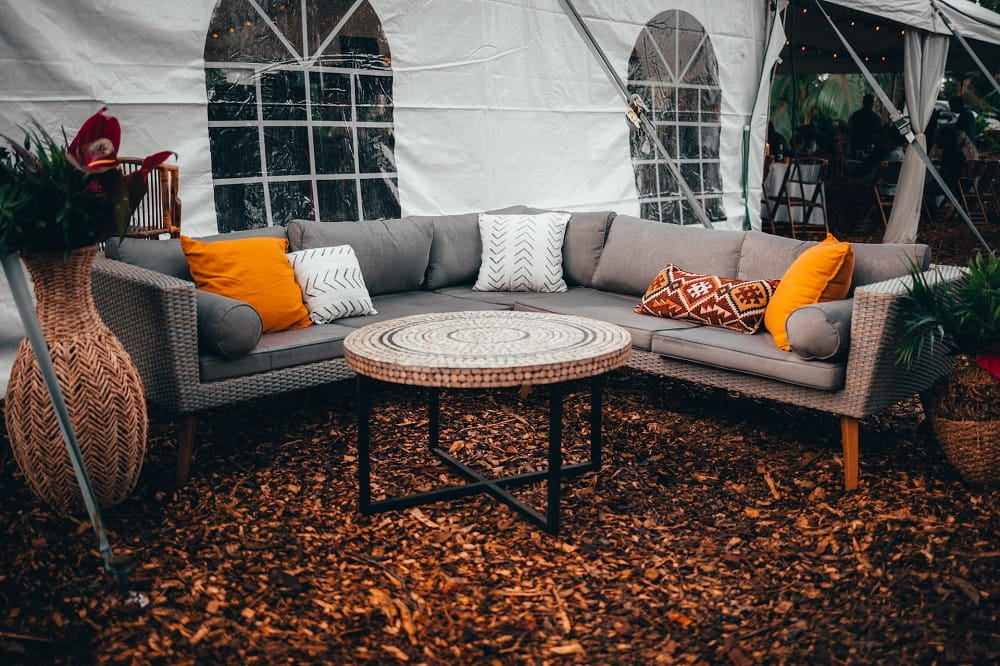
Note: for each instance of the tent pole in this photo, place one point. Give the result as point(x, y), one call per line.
point(903, 127)
point(116, 565)
point(646, 126)
point(965, 45)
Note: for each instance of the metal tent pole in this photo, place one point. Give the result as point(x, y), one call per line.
point(965, 45)
point(637, 116)
point(116, 565)
point(903, 126)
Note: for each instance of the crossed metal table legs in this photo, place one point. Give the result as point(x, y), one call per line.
point(479, 484)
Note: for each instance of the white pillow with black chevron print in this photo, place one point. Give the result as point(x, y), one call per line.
point(331, 282)
point(522, 252)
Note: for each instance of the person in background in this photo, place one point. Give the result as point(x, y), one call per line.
point(966, 120)
point(956, 150)
point(804, 141)
point(889, 147)
point(863, 124)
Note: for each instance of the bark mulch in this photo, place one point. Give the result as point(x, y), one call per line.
point(717, 532)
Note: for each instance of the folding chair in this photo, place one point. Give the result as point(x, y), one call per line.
point(802, 199)
point(989, 188)
point(884, 188)
point(973, 173)
point(159, 212)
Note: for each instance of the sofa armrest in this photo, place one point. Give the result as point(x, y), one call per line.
point(873, 374)
point(155, 317)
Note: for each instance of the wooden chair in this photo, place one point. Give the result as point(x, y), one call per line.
point(989, 189)
point(884, 188)
point(159, 212)
point(802, 196)
point(973, 173)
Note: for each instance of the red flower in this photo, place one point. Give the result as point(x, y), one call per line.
point(95, 147)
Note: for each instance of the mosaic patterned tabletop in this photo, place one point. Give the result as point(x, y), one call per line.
point(483, 349)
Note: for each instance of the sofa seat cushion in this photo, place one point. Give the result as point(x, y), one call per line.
point(282, 349)
point(752, 354)
point(605, 306)
point(390, 306)
point(393, 254)
point(505, 298)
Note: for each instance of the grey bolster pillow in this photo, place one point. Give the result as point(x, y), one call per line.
point(226, 326)
point(821, 331)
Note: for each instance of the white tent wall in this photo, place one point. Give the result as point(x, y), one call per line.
point(495, 102)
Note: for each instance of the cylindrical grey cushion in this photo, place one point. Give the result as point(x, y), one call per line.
point(821, 331)
point(226, 326)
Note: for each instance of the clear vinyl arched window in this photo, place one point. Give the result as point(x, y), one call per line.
point(674, 69)
point(300, 114)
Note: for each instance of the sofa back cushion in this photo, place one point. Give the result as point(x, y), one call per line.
point(457, 245)
point(766, 257)
point(166, 256)
point(637, 249)
point(393, 254)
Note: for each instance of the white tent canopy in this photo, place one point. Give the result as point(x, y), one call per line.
point(494, 102)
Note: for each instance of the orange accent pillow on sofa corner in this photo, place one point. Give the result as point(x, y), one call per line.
point(821, 273)
point(253, 270)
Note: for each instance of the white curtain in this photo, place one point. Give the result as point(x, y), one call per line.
point(923, 68)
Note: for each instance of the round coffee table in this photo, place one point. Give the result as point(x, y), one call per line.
point(485, 349)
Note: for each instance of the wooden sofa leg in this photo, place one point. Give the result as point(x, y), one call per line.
point(849, 440)
point(185, 446)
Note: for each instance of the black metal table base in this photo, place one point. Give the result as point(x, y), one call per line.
point(552, 475)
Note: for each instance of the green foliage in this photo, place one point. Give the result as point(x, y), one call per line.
point(47, 204)
point(963, 317)
point(820, 99)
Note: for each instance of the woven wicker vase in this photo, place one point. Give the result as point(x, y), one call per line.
point(964, 412)
point(100, 384)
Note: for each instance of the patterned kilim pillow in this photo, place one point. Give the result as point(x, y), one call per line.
point(710, 299)
point(331, 282)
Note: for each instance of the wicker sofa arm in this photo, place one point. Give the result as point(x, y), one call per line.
point(873, 374)
point(155, 317)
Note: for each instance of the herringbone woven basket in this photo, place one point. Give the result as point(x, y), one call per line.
point(100, 384)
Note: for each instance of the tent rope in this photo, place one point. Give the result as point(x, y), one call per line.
point(965, 45)
point(647, 128)
point(903, 126)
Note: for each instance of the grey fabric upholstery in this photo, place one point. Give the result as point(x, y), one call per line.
point(637, 249)
point(506, 298)
point(585, 234)
point(166, 256)
point(614, 308)
point(393, 254)
point(226, 326)
point(281, 349)
point(752, 354)
point(390, 306)
point(456, 248)
point(765, 256)
point(875, 262)
point(821, 331)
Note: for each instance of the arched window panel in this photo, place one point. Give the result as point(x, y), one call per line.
point(300, 113)
point(674, 69)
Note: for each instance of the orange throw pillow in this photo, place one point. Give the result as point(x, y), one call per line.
point(821, 273)
point(252, 270)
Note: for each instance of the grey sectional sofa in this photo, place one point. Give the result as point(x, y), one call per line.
point(196, 350)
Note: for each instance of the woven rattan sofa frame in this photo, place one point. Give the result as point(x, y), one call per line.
point(139, 305)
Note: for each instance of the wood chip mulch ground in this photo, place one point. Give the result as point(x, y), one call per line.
point(717, 532)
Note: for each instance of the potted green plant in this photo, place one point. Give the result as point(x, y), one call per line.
point(57, 202)
point(963, 316)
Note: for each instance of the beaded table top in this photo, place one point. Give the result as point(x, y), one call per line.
point(481, 349)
